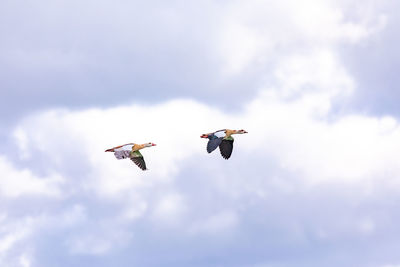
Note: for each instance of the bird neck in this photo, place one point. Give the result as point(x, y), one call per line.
point(137, 147)
point(229, 132)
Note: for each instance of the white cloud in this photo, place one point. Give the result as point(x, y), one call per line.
point(352, 150)
point(25, 261)
point(215, 48)
point(95, 243)
point(259, 32)
point(288, 180)
point(15, 182)
point(218, 224)
point(319, 71)
point(169, 209)
point(13, 233)
point(297, 133)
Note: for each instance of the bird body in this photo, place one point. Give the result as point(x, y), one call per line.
point(131, 150)
point(222, 139)
point(122, 147)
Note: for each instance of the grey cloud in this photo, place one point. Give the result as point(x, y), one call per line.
point(77, 54)
point(374, 65)
point(306, 227)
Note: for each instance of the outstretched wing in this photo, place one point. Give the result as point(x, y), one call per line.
point(213, 144)
point(138, 159)
point(122, 154)
point(226, 148)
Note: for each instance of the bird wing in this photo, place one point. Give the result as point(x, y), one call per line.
point(213, 144)
point(138, 159)
point(122, 154)
point(119, 148)
point(220, 133)
point(226, 148)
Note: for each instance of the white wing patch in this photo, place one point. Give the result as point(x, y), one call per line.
point(125, 147)
point(220, 134)
point(122, 154)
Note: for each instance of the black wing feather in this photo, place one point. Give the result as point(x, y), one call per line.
point(213, 144)
point(139, 161)
point(226, 148)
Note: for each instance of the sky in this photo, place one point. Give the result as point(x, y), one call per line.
point(315, 182)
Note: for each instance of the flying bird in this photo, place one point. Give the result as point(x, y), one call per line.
point(131, 151)
point(222, 139)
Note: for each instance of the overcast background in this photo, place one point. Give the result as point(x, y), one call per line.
point(316, 182)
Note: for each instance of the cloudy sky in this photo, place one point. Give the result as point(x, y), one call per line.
point(316, 182)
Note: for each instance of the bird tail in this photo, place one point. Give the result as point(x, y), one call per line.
point(109, 150)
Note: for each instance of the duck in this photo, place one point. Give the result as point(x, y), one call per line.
point(131, 150)
point(222, 139)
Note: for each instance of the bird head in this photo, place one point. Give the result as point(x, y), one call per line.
point(240, 131)
point(149, 144)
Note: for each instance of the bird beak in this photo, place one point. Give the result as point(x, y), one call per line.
point(204, 136)
point(245, 131)
point(152, 144)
